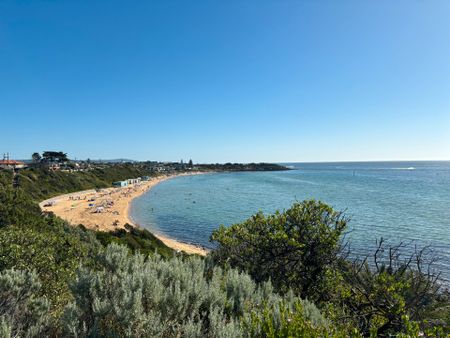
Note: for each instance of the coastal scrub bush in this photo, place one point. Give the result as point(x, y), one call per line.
point(296, 249)
point(130, 296)
point(41, 183)
point(396, 293)
point(54, 255)
point(22, 312)
point(136, 239)
point(16, 207)
point(30, 241)
point(282, 320)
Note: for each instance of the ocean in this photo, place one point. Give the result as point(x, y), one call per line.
point(399, 201)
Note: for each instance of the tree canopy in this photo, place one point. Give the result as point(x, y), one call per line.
point(54, 156)
point(36, 157)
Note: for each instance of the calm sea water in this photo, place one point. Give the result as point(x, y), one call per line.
point(399, 201)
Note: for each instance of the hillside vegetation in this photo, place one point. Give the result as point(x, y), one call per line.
point(58, 280)
point(40, 183)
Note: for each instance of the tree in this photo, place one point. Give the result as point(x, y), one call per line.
point(297, 248)
point(36, 157)
point(190, 164)
point(54, 156)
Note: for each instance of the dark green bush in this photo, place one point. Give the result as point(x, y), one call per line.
point(137, 240)
point(16, 207)
point(296, 249)
point(394, 292)
point(301, 249)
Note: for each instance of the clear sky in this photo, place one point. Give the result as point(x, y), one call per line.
point(220, 81)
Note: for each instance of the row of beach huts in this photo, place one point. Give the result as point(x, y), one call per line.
point(130, 181)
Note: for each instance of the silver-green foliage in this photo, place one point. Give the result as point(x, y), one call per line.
point(22, 312)
point(133, 297)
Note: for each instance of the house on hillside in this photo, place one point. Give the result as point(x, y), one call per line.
point(11, 164)
point(54, 166)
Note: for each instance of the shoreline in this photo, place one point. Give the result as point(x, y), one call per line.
point(108, 209)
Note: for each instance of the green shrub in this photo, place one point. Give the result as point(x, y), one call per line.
point(22, 312)
point(54, 255)
point(137, 240)
point(281, 320)
point(296, 249)
point(395, 293)
point(133, 297)
point(16, 207)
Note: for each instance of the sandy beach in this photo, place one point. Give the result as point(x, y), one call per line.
point(108, 209)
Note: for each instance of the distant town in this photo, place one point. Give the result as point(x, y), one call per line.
point(59, 161)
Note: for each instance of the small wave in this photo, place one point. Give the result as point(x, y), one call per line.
point(395, 168)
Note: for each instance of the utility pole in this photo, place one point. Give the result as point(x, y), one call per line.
point(15, 177)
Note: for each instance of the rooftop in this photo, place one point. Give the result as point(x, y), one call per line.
point(11, 162)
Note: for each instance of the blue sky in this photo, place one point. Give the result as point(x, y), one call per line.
point(220, 81)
